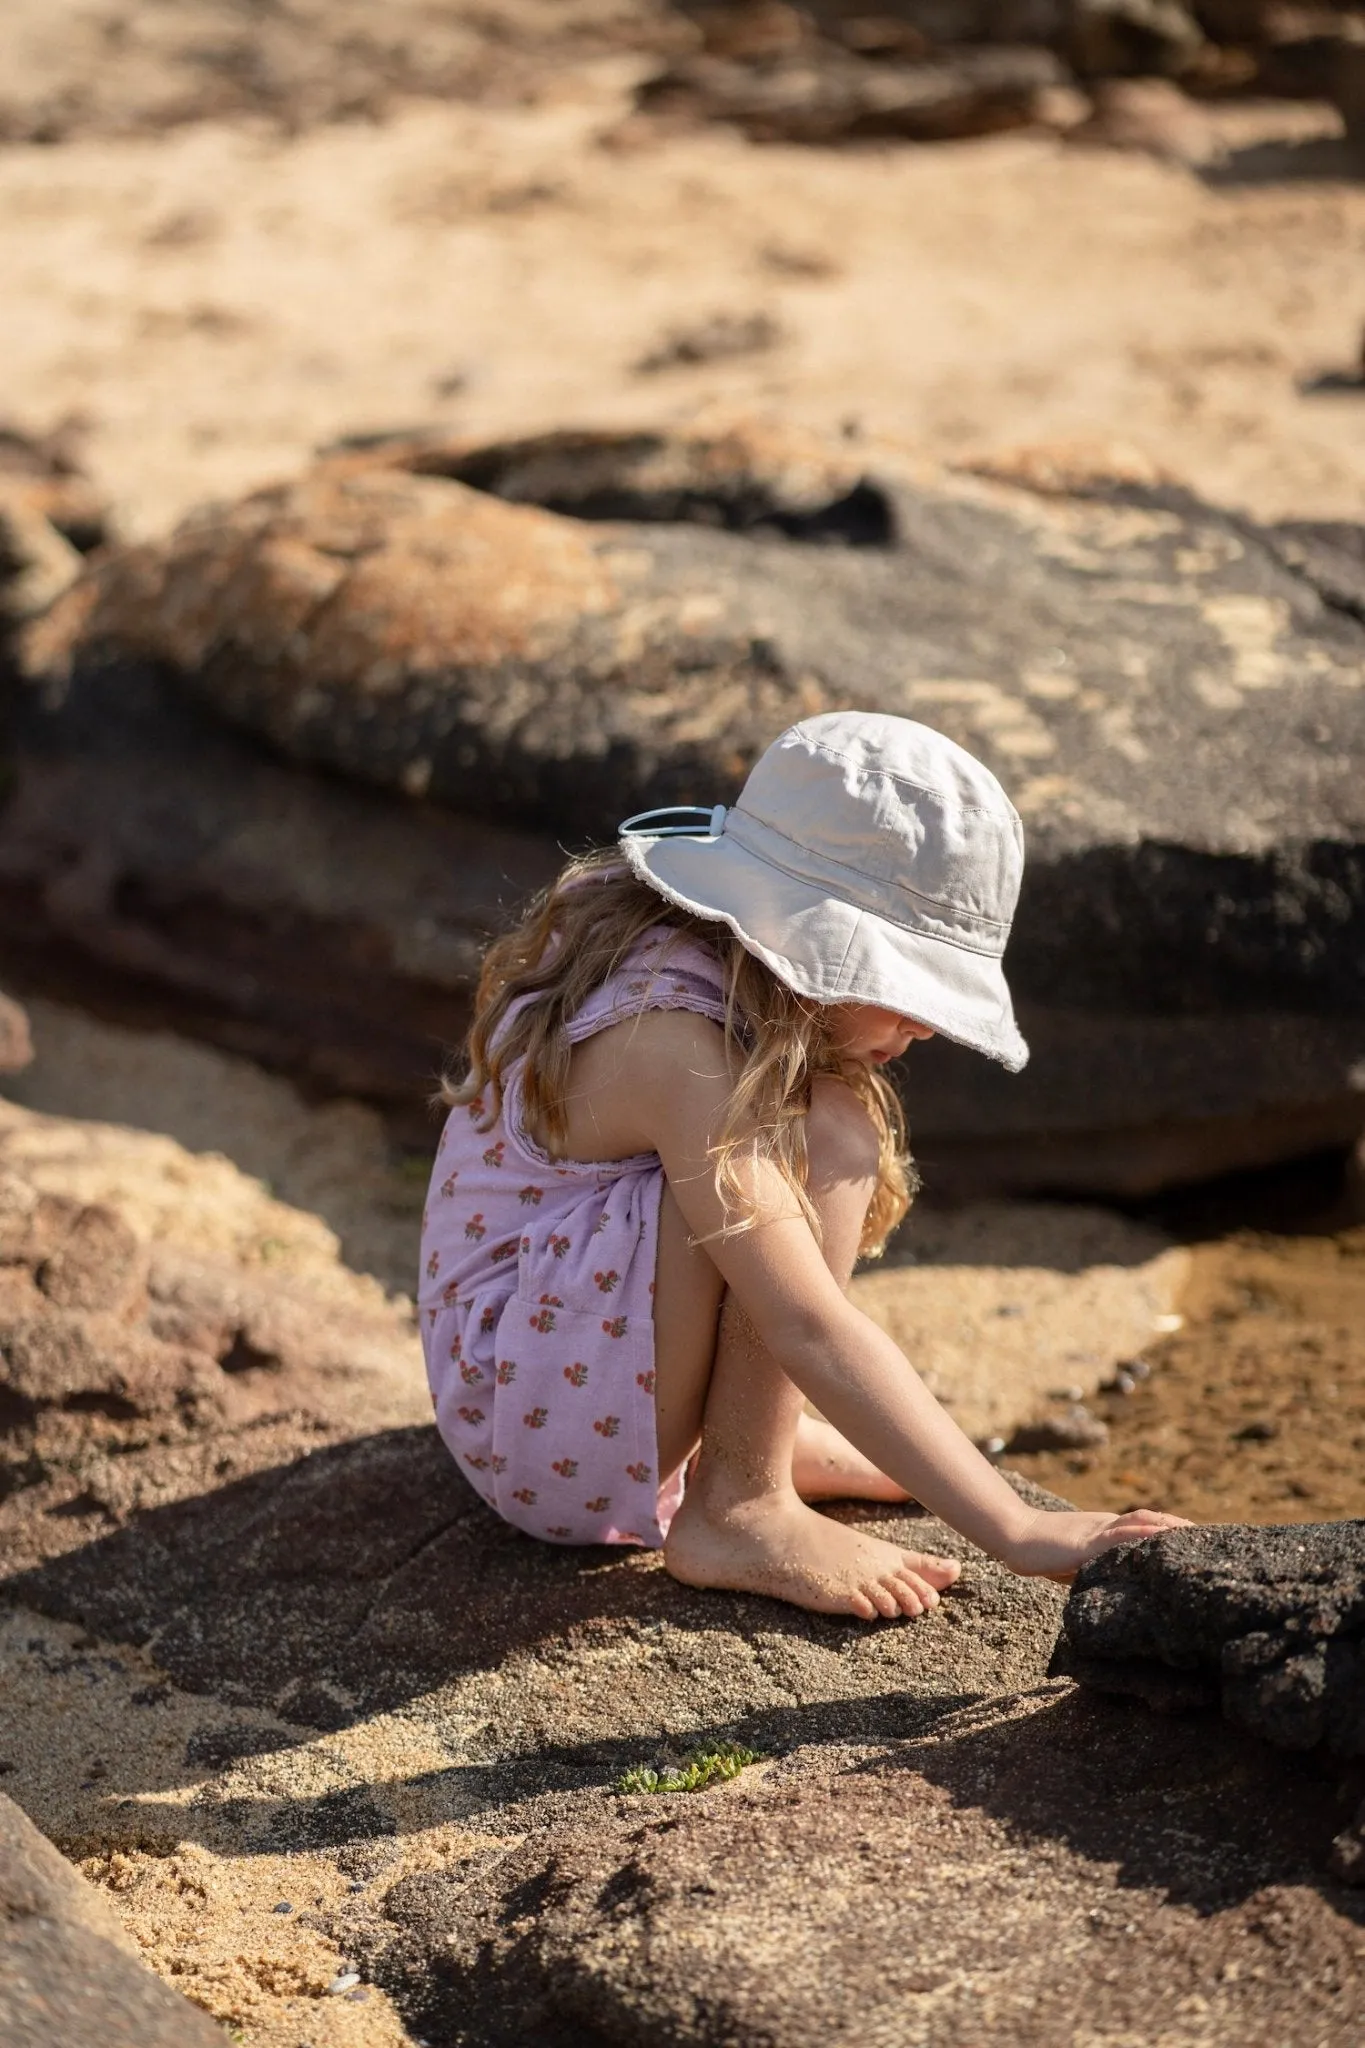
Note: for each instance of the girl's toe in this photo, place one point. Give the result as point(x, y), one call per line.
point(907, 1595)
point(937, 1571)
point(886, 1602)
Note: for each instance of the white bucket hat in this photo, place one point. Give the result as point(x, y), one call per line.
point(868, 859)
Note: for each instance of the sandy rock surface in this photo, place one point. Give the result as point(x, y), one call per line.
point(331, 1158)
point(1024, 1872)
point(1019, 1310)
point(217, 300)
point(68, 1971)
point(166, 1323)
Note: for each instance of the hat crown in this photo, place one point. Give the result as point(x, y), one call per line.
point(895, 818)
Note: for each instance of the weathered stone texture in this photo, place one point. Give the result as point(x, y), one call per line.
point(69, 1976)
point(1269, 1622)
point(1174, 698)
point(1027, 1872)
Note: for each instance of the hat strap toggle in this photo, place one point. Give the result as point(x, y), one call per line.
point(639, 826)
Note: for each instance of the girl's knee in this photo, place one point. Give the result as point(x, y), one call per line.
point(841, 1139)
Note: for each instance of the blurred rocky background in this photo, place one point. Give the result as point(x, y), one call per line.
point(428, 434)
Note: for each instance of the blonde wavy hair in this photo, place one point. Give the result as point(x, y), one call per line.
point(572, 938)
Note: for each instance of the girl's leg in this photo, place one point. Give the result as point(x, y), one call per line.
point(742, 1523)
point(825, 1465)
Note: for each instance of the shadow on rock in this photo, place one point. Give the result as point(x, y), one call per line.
point(1188, 1809)
point(1030, 1871)
point(368, 1574)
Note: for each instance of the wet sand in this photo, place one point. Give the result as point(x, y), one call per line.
point(1255, 1410)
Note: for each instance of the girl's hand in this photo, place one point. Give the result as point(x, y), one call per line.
point(1055, 1546)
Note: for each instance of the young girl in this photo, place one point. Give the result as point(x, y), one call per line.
point(674, 1141)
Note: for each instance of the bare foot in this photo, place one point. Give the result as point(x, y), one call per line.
point(773, 1543)
point(825, 1466)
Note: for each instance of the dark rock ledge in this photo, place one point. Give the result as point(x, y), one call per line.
point(277, 777)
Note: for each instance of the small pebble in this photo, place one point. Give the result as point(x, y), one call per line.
point(357, 1997)
point(357, 1884)
point(1124, 1383)
point(283, 1907)
point(1072, 1394)
point(993, 1446)
point(345, 1980)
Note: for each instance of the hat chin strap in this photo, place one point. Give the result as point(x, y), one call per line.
point(709, 823)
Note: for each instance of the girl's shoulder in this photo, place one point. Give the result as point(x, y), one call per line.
point(664, 970)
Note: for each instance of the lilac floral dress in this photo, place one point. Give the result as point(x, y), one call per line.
point(536, 1297)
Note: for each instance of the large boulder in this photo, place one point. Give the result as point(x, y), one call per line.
point(541, 636)
point(68, 1972)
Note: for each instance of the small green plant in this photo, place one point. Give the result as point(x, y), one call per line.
point(702, 1767)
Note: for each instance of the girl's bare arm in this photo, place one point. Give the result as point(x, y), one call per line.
point(668, 1088)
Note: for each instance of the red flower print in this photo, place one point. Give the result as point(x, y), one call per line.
point(450, 1293)
point(473, 1416)
point(565, 1467)
point(431, 1315)
point(479, 1464)
point(448, 1184)
point(639, 1473)
point(526, 1244)
point(536, 1418)
point(470, 1374)
point(456, 1346)
point(606, 1281)
point(526, 1495)
point(551, 1301)
point(493, 1155)
point(608, 1425)
point(507, 1371)
point(598, 1506)
point(645, 1380)
point(559, 1245)
point(433, 1265)
point(544, 1321)
point(616, 1327)
point(475, 1109)
point(441, 1143)
point(502, 1252)
point(488, 1321)
point(532, 1196)
point(603, 1220)
point(499, 1464)
point(559, 1531)
point(476, 1227)
point(576, 1374)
